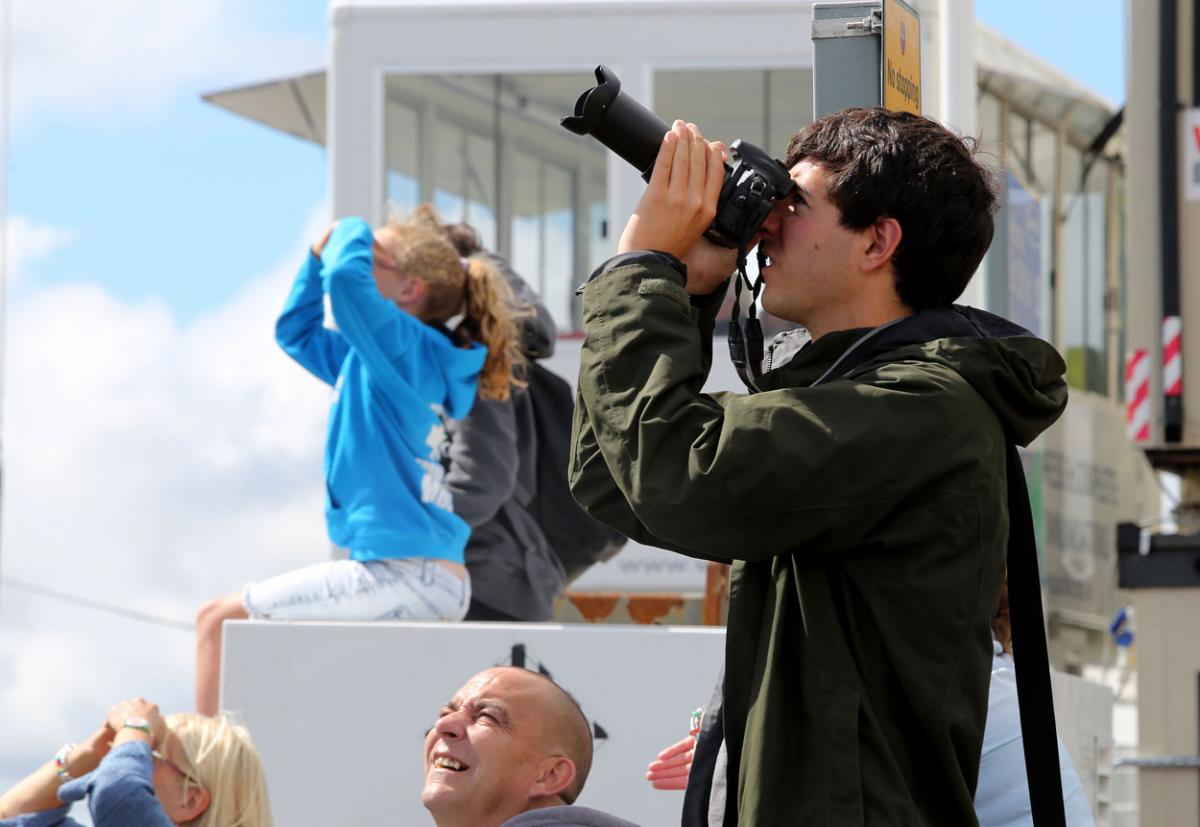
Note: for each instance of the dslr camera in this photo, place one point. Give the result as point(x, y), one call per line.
point(752, 183)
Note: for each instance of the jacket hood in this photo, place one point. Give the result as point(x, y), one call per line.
point(460, 369)
point(1019, 375)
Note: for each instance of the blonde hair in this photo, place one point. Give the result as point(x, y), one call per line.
point(219, 756)
point(455, 285)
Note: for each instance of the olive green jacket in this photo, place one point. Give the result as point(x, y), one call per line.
point(866, 521)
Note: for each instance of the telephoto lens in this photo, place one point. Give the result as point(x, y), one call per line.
point(619, 122)
point(635, 134)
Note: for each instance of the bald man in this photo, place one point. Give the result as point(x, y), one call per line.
point(510, 749)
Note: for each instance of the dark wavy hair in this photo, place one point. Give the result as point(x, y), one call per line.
point(885, 164)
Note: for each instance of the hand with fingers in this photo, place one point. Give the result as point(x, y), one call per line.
point(136, 719)
point(320, 245)
point(679, 204)
point(670, 770)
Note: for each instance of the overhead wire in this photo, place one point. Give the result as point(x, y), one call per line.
point(96, 605)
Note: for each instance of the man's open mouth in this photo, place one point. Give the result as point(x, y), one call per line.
point(448, 763)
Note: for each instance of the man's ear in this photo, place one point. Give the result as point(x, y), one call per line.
point(555, 774)
point(882, 239)
point(195, 804)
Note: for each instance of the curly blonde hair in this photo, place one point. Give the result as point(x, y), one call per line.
point(456, 285)
point(220, 757)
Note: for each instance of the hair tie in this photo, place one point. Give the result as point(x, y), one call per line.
point(466, 264)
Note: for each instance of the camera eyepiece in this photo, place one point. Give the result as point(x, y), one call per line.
point(635, 134)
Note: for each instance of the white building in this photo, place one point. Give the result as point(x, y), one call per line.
point(458, 104)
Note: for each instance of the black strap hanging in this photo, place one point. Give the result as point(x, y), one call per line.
point(1039, 736)
point(746, 346)
point(1035, 700)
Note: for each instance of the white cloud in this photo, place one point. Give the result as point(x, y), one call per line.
point(29, 243)
point(111, 59)
point(150, 466)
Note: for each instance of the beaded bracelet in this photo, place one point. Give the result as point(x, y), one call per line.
point(60, 761)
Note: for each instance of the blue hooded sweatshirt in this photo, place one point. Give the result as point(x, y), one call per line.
point(395, 380)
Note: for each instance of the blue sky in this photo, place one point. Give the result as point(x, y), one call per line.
point(160, 193)
point(158, 449)
point(177, 199)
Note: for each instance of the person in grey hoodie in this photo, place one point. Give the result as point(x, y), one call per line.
point(515, 574)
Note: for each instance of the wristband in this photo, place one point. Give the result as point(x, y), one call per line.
point(138, 723)
point(60, 761)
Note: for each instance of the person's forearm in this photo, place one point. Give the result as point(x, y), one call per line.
point(38, 791)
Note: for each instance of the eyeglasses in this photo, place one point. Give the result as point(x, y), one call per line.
point(187, 776)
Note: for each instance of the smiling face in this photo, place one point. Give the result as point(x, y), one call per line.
point(491, 753)
point(815, 260)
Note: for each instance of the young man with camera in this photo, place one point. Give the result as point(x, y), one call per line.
point(860, 492)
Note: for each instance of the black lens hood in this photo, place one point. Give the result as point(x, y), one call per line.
point(618, 121)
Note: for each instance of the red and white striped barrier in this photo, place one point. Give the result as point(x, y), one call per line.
point(1172, 356)
point(1137, 396)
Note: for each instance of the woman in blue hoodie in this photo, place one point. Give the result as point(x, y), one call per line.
point(398, 373)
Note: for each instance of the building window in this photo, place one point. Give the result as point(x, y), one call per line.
point(764, 107)
point(1085, 272)
point(403, 184)
point(488, 150)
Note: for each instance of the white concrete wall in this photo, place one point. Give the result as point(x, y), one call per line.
point(1083, 712)
point(340, 711)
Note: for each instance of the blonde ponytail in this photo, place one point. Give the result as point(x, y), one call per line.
point(421, 246)
point(489, 318)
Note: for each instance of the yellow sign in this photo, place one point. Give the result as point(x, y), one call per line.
point(901, 57)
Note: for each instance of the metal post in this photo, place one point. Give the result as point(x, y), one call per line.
point(1168, 171)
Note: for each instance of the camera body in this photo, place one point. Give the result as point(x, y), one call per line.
point(752, 184)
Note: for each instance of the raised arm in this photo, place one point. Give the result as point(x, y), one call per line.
point(301, 330)
point(38, 791)
point(379, 332)
point(742, 477)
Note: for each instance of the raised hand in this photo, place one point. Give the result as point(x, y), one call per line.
point(670, 770)
point(681, 199)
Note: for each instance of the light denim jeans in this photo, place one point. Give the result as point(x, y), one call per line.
point(409, 588)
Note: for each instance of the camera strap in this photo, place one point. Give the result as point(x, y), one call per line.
point(746, 346)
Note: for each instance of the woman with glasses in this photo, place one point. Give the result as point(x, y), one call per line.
point(420, 333)
point(143, 770)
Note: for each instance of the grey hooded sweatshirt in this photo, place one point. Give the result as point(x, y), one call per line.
point(493, 455)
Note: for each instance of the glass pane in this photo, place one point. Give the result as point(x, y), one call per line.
point(1032, 146)
point(526, 241)
point(764, 107)
point(488, 150)
point(559, 236)
point(400, 149)
point(991, 130)
point(466, 178)
point(1019, 257)
point(1084, 273)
